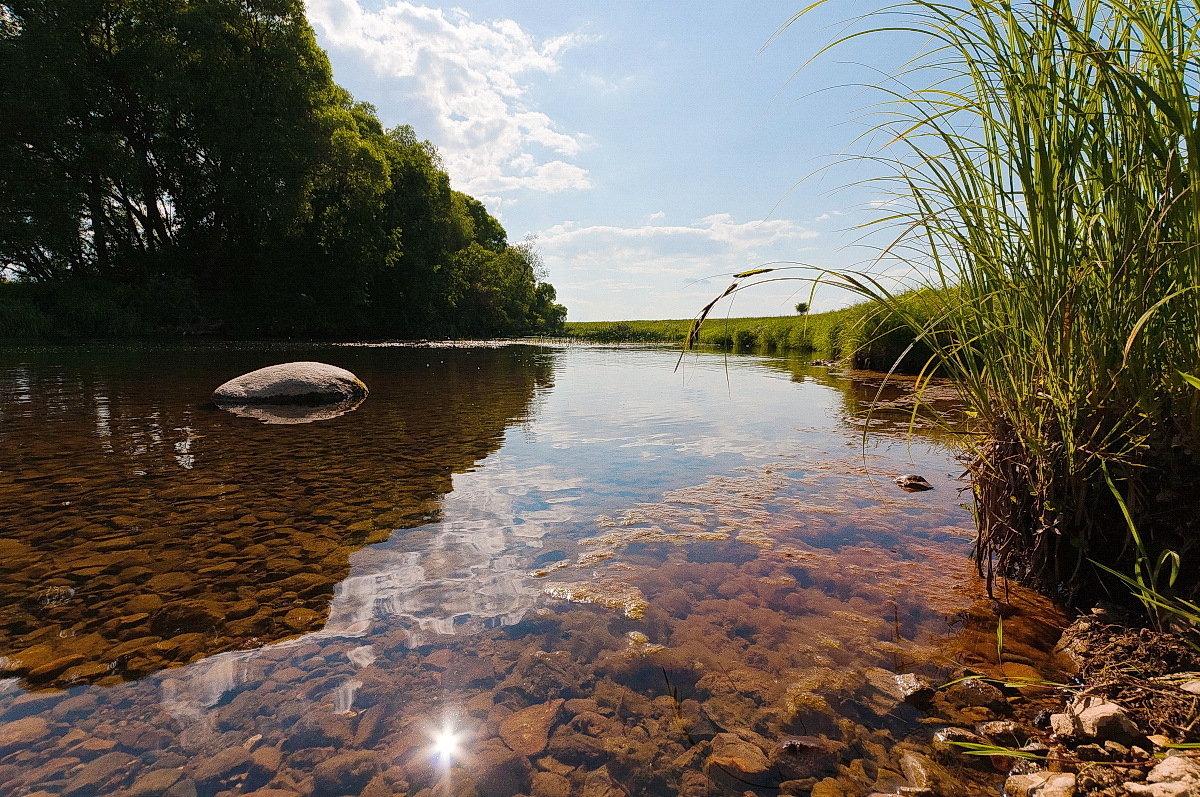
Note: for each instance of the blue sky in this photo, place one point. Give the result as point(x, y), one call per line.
point(646, 146)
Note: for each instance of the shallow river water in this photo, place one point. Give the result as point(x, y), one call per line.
point(511, 570)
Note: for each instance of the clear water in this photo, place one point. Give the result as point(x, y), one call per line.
point(511, 570)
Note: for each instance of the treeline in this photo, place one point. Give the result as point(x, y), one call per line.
point(191, 164)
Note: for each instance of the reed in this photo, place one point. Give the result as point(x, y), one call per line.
point(1044, 195)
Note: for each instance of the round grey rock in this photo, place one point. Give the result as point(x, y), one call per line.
point(304, 383)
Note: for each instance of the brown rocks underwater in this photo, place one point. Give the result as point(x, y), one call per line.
point(121, 557)
point(558, 705)
point(763, 663)
point(201, 605)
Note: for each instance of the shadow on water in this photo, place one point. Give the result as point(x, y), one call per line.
point(146, 529)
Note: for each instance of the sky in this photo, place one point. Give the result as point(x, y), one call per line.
point(650, 150)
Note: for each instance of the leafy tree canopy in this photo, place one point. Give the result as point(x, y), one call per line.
point(197, 155)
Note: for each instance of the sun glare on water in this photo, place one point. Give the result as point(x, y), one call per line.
point(446, 745)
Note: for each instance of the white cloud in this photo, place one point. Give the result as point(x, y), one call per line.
point(657, 271)
point(467, 76)
point(603, 85)
point(717, 229)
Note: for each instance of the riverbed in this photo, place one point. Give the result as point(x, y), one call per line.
point(513, 569)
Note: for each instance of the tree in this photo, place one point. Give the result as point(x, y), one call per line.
point(802, 307)
point(201, 147)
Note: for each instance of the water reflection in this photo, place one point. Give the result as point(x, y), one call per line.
point(148, 530)
point(651, 582)
point(295, 413)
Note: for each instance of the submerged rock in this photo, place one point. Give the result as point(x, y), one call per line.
point(799, 757)
point(912, 483)
point(298, 383)
point(346, 773)
point(915, 690)
point(736, 762)
point(22, 733)
point(528, 731)
point(977, 692)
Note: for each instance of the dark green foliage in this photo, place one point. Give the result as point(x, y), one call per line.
point(196, 158)
point(745, 340)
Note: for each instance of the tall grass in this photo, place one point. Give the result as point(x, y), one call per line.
point(1045, 179)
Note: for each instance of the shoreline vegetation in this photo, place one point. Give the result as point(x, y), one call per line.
point(1045, 205)
point(866, 336)
point(1044, 197)
point(1045, 186)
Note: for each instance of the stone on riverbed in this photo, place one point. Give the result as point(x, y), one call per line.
point(528, 731)
point(800, 757)
point(304, 383)
point(736, 762)
point(1041, 784)
point(916, 691)
point(1095, 718)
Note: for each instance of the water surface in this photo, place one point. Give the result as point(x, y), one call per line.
point(576, 568)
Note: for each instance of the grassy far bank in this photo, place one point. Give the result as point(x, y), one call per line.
point(864, 336)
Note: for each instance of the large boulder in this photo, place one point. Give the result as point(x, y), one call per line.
point(302, 383)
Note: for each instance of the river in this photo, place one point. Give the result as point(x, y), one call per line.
point(513, 569)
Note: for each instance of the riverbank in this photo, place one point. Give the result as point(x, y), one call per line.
point(1115, 714)
point(1126, 726)
point(865, 336)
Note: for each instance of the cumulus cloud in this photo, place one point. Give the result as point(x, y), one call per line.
point(467, 75)
point(661, 270)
